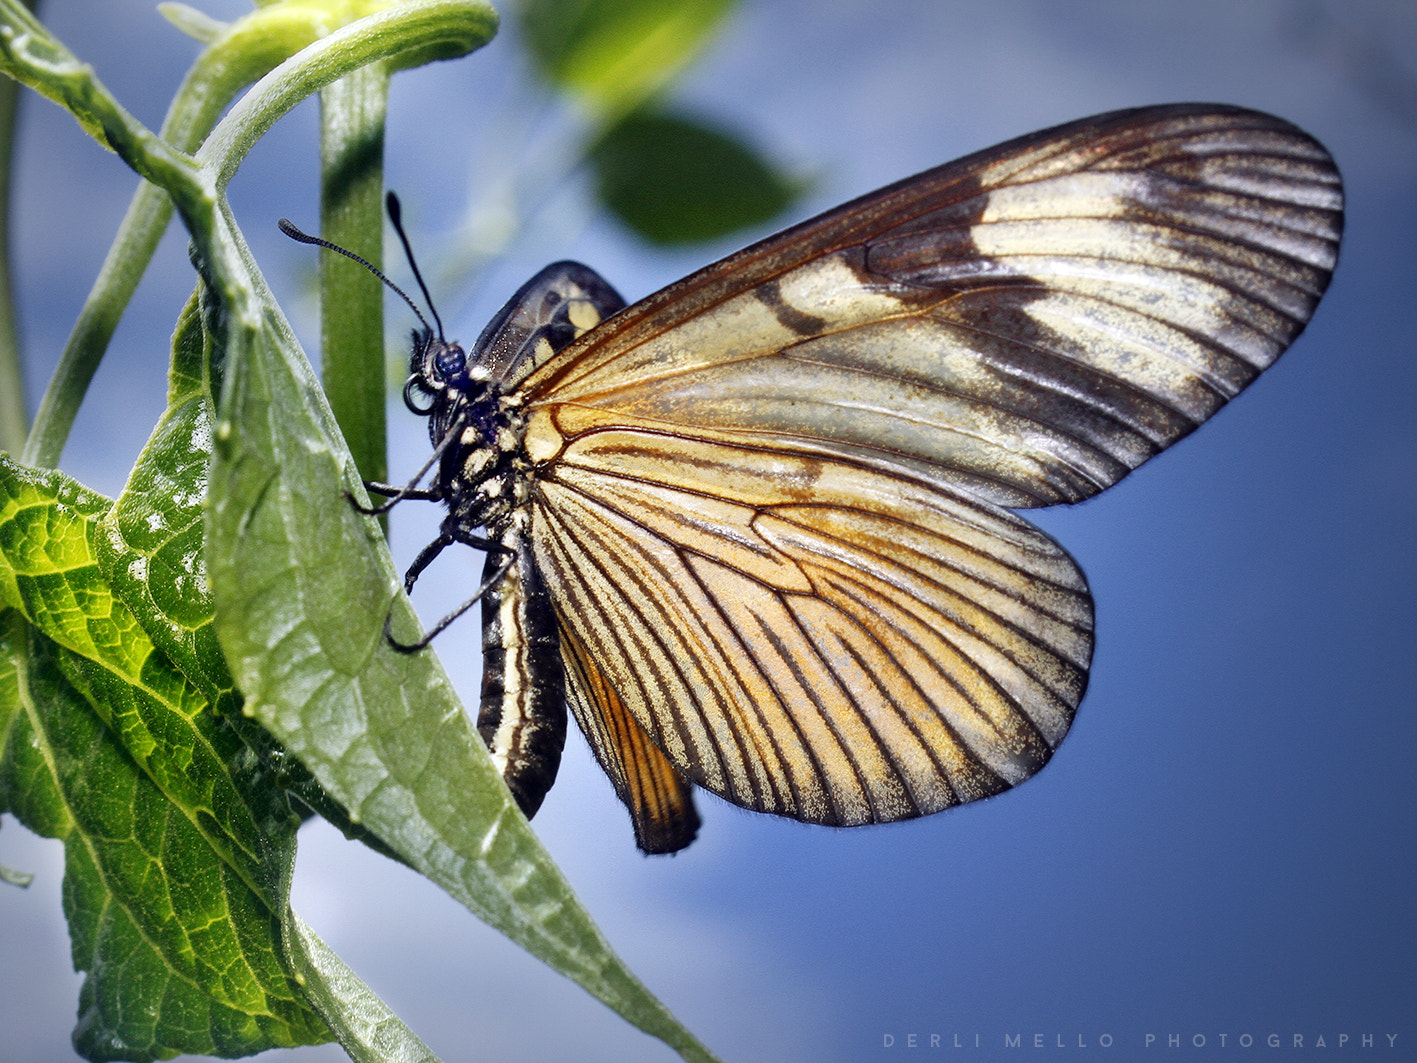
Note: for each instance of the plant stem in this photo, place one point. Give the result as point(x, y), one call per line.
point(13, 421)
point(14, 424)
point(351, 298)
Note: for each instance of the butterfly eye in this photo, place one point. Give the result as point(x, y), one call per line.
point(450, 363)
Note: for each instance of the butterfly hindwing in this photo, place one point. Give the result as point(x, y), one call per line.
point(809, 637)
point(659, 798)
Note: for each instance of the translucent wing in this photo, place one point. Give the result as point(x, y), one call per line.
point(810, 637)
point(658, 797)
point(766, 501)
point(1031, 322)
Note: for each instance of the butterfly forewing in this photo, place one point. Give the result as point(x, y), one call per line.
point(1032, 322)
point(548, 313)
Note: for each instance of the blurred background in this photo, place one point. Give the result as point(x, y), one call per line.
point(1224, 844)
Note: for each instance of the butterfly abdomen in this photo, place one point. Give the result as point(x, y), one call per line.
point(522, 717)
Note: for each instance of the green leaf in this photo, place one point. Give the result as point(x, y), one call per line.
point(150, 549)
point(675, 181)
point(174, 865)
point(159, 519)
point(366, 1028)
point(617, 53)
point(302, 585)
point(178, 852)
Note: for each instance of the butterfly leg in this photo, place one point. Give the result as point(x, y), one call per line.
point(395, 494)
point(493, 576)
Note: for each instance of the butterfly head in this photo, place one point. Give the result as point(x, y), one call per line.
point(439, 373)
point(466, 409)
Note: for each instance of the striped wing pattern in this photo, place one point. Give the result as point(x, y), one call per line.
point(660, 800)
point(767, 501)
point(859, 648)
point(1032, 322)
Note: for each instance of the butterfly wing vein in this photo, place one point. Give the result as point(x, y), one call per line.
point(878, 649)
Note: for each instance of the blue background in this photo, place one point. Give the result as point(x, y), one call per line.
point(1224, 843)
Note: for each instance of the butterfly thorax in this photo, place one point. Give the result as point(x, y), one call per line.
point(477, 425)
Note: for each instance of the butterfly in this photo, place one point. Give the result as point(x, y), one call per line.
point(759, 530)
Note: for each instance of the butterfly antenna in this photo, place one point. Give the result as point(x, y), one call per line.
point(395, 209)
point(305, 238)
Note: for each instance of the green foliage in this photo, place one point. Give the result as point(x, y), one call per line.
point(675, 181)
point(616, 54)
point(173, 849)
point(668, 178)
point(184, 669)
point(116, 716)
